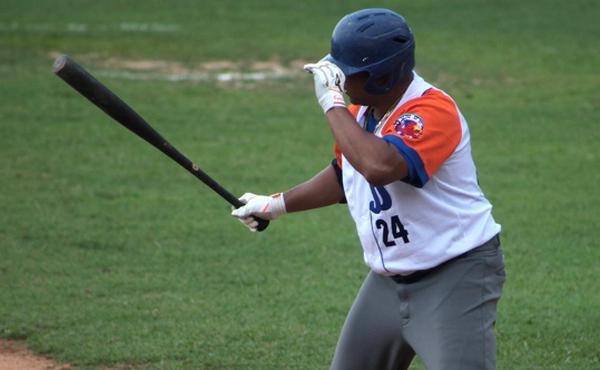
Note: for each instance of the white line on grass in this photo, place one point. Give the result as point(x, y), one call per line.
point(222, 71)
point(82, 27)
point(199, 76)
point(148, 27)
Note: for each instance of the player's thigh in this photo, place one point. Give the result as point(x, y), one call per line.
point(371, 336)
point(454, 330)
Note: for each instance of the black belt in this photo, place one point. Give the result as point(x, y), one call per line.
point(418, 275)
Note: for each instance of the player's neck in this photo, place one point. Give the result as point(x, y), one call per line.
point(389, 100)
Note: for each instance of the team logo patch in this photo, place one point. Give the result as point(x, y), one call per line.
point(410, 126)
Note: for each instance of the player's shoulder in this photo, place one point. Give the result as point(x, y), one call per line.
point(433, 99)
point(434, 105)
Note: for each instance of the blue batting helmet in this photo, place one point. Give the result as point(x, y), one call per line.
point(376, 41)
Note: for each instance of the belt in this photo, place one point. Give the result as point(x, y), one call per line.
point(418, 275)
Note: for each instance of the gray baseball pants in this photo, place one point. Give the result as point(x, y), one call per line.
point(445, 316)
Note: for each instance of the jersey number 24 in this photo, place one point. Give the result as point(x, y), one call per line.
point(392, 228)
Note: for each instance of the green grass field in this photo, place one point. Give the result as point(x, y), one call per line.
point(111, 255)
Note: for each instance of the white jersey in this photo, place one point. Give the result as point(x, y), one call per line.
point(438, 211)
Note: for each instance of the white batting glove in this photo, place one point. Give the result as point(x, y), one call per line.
point(262, 206)
point(329, 84)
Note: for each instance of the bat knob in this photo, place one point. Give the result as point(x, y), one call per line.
point(262, 224)
point(59, 63)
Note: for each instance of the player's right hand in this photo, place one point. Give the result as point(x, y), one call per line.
point(329, 84)
point(267, 207)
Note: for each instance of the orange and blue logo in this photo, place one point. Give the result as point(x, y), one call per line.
point(410, 126)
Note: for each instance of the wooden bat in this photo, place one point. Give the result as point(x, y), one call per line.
point(102, 97)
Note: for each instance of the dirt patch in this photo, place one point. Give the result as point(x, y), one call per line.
point(222, 71)
point(14, 355)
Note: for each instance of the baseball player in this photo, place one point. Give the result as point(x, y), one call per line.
point(403, 164)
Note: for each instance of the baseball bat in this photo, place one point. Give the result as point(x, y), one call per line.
point(102, 97)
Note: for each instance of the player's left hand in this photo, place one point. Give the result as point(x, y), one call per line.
point(267, 207)
point(329, 84)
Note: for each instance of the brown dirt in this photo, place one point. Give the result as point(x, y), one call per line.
point(157, 69)
point(14, 355)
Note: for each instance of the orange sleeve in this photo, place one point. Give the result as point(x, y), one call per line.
point(426, 131)
point(336, 149)
point(338, 155)
point(354, 109)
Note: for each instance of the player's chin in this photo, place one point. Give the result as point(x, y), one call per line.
point(354, 100)
point(358, 100)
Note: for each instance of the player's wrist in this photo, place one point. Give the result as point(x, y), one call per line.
point(277, 207)
point(331, 99)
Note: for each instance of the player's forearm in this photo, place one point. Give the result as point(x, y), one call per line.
point(320, 191)
point(377, 160)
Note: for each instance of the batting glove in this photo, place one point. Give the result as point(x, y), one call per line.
point(262, 206)
point(329, 84)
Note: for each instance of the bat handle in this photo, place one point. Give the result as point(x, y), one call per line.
point(262, 223)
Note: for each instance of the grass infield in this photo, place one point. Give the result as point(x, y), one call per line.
point(111, 255)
